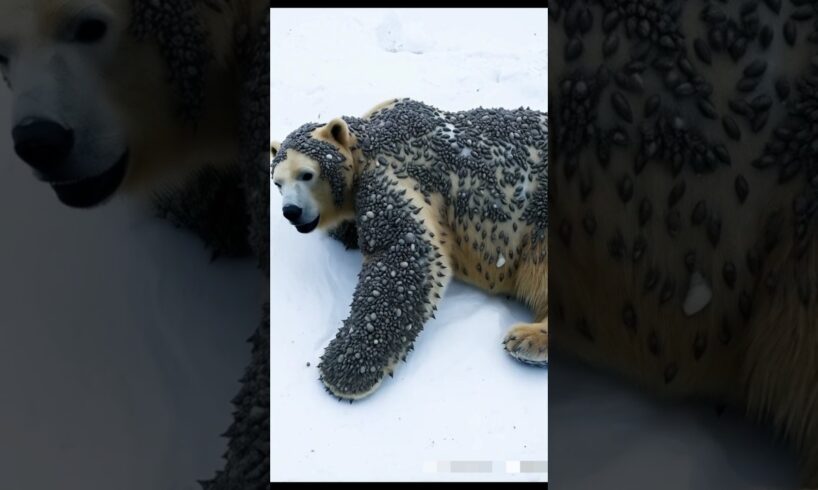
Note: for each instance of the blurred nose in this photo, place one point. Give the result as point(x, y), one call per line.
point(292, 212)
point(42, 143)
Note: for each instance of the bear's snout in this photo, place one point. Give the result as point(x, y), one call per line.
point(42, 143)
point(292, 212)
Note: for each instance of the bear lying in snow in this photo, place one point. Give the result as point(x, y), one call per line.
point(429, 196)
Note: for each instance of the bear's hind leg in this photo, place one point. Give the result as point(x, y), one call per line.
point(528, 342)
point(781, 361)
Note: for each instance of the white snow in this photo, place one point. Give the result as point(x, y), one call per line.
point(459, 397)
point(121, 345)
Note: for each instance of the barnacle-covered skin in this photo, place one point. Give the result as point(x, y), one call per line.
point(401, 279)
point(684, 193)
point(434, 195)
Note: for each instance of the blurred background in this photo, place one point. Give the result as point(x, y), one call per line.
point(121, 344)
point(605, 432)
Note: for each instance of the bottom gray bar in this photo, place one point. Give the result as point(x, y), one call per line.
point(533, 466)
point(470, 467)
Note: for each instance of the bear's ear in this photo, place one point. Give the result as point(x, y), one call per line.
point(338, 131)
point(274, 147)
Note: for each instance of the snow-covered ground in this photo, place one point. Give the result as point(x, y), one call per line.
point(459, 397)
point(121, 345)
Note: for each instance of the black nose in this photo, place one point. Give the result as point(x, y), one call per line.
point(291, 212)
point(41, 143)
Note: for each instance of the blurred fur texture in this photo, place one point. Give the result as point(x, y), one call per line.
point(684, 191)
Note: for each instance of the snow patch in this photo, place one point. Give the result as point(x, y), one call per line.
point(397, 35)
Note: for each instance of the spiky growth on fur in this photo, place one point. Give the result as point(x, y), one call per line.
point(327, 156)
point(388, 312)
point(435, 195)
point(685, 198)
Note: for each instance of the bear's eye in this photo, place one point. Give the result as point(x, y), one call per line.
point(90, 31)
point(306, 176)
point(278, 184)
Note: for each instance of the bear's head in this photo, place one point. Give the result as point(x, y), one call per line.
point(108, 95)
point(314, 169)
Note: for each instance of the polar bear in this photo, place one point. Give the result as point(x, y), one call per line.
point(134, 97)
point(684, 198)
point(433, 195)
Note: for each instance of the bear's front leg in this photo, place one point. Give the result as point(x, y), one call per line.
point(403, 276)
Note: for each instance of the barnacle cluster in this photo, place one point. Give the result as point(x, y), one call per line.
point(679, 104)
